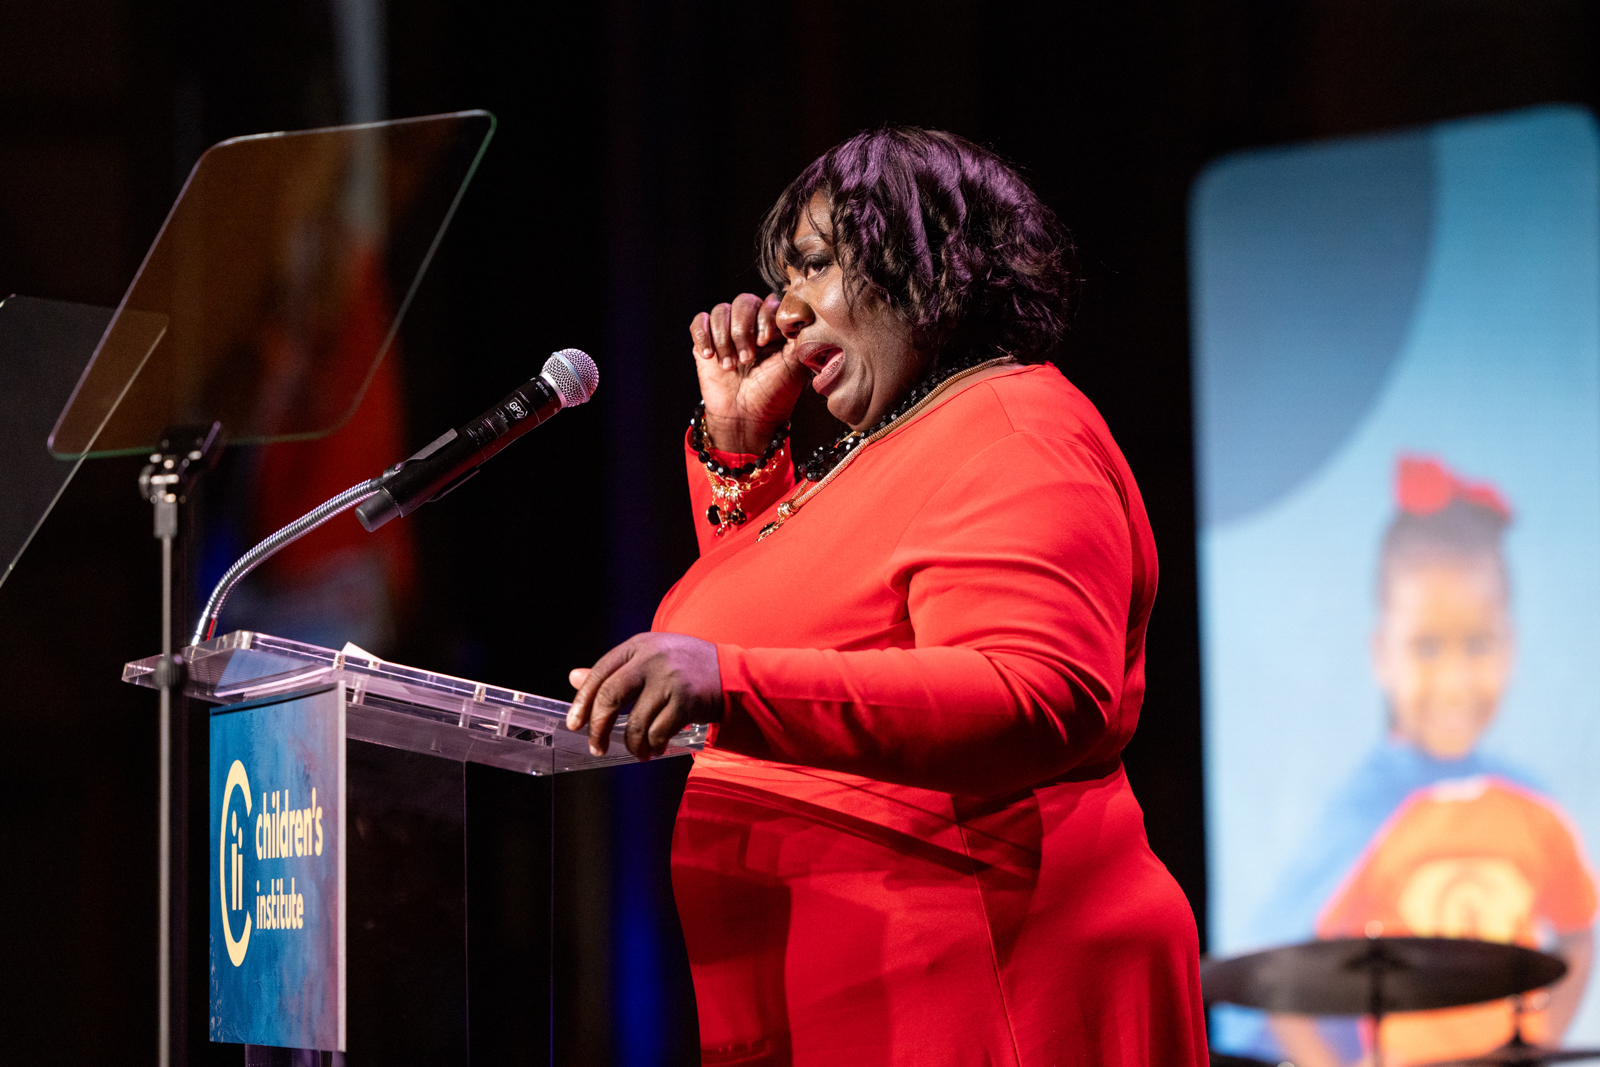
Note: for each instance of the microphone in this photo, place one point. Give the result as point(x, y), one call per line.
point(568, 379)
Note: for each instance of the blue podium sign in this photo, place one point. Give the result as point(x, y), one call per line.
point(278, 871)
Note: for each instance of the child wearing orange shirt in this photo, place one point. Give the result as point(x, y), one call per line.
point(1431, 838)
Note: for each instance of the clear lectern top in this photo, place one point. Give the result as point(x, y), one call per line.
point(398, 706)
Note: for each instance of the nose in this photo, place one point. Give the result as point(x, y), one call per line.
point(1453, 678)
point(794, 315)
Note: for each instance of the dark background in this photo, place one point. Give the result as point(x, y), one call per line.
point(639, 143)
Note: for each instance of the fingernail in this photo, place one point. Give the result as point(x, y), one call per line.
point(594, 750)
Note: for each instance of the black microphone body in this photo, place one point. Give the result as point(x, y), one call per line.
point(456, 455)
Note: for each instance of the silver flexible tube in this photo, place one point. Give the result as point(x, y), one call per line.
point(259, 554)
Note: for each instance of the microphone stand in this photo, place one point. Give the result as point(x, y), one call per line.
point(273, 543)
point(569, 378)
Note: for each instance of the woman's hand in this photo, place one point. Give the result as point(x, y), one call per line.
point(747, 377)
point(670, 679)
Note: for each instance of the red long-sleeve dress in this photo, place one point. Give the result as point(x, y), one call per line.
point(910, 840)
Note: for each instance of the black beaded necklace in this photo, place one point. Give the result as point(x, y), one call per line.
point(827, 457)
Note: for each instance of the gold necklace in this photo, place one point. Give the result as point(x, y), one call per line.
point(803, 496)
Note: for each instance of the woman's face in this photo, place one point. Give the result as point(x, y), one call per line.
point(1443, 654)
point(860, 357)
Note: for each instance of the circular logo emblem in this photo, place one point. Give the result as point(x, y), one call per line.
point(230, 864)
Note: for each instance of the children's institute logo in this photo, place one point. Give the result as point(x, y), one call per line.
point(279, 833)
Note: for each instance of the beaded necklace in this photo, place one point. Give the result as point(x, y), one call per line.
point(925, 395)
point(827, 457)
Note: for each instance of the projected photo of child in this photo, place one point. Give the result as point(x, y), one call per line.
point(1431, 837)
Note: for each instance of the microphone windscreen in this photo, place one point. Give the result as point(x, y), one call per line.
point(573, 375)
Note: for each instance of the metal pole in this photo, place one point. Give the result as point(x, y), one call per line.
point(1376, 961)
point(166, 521)
point(177, 462)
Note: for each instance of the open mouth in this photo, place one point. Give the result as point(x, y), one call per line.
point(825, 364)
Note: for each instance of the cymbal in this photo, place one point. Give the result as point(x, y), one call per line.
point(1518, 1053)
point(1335, 977)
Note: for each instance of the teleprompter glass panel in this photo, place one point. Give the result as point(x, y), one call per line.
point(281, 275)
point(44, 347)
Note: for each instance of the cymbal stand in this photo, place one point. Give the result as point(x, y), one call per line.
point(1518, 1007)
point(1376, 962)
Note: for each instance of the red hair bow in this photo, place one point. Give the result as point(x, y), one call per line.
point(1424, 485)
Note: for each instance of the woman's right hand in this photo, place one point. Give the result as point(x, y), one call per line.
point(748, 378)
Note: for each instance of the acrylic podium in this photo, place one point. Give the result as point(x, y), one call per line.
point(347, 897)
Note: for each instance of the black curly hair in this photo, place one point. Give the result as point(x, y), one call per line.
point(944, 232)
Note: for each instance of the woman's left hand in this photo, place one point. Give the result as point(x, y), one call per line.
point(670, 679)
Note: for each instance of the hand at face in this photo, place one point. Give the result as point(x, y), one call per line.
point(747, 377)
point(670, 679)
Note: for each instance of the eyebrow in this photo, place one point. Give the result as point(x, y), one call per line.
point(797, 254)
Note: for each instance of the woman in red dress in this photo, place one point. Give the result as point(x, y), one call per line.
point(910, 840)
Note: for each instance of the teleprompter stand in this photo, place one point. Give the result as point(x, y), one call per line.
point(181, 457)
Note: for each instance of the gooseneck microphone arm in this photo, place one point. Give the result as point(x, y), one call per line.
point(569, 378)
point(270, 546)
